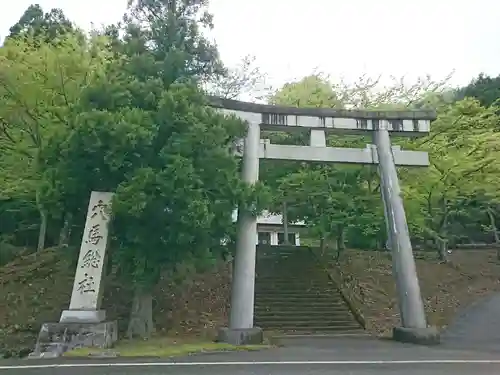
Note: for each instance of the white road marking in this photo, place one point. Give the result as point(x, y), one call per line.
point(265, 363)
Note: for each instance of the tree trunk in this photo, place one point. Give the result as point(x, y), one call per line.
point(442, 233)
point(442, 245)
point(285, 224)
point(341, 239)
point(65, 230)
point(322, 245)
point(141, 315)
point(494, 230)
point(43, 224)
point(340, 242)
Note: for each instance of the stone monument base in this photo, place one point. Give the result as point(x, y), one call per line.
point(83, 316)
point(421, 336)
point(56, 338)
point(249, 336)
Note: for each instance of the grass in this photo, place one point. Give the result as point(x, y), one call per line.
point(162, 348)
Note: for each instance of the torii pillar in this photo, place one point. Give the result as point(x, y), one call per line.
point(241, 330)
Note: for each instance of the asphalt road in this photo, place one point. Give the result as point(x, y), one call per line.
point(354, 356)
point(277, 369)
point(477, 327)
point(470, 346)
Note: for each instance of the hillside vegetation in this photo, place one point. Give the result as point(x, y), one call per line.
point(446, 288)
point(34, 289)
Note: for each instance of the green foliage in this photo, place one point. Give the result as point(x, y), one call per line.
point(177, 203)
point(463, 148)
point(484, 88)
point(167, 36)
point(122, 111)
point(312, 91)
point(41, 86)
point(343, 203)
point(39, 26)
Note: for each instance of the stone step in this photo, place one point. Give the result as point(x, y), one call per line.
point(285, 254)
point(326, 331)
point(265, 257)
point(324, 311)
point(284, 250)
point(289, 336)
point(270, 258)
point(302, 315)
point(270, 305)
point(316, 275)
point(286, 259)
point(297, 305)
point(293, 297)
point(319, 277)
point(279, 304)
point(311, 277)
point(313, 326)
point(299, 323)
point(317, 287)
point(296, 282)
point(276, 313)
point(294, 294)
point(303, 288)
point(286, 271)
point(306, 293)
point(280, 263)
point(298, 296)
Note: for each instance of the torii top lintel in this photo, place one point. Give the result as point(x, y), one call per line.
point(273, 117)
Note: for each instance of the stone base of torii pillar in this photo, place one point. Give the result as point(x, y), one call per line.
point(84, 323)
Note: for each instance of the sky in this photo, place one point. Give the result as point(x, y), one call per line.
point(291, 39)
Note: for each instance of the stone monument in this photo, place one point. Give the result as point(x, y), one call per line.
point(84, 323)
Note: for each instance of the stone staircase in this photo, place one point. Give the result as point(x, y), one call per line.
point(294, 294)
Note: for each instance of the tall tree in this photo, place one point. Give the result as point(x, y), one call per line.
point(484, 88)
point(463, 148)
point(41, 86)
point(176, 179)
point(166, 36)
point(36, 23)
point(145, 130)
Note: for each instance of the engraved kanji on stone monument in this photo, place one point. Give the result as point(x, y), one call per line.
point(94, 235)
point(91, 259)
point(87, 287)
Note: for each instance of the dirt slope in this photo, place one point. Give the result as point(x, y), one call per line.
point(35, 289)
point(470, 275)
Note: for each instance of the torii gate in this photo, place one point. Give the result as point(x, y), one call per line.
point(319, 122)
